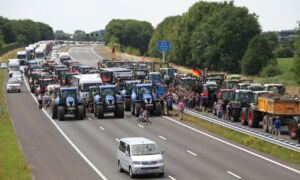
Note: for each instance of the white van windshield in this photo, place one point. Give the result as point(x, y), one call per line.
point(144, 149)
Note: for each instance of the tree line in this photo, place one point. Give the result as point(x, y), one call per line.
point(23, 31)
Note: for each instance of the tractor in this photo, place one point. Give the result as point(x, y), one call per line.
point(67, 102)
point(106, 101)
point(240, 105)
point(126, 92)
point(142, 97)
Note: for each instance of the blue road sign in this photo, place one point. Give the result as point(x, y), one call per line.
point(164, 46)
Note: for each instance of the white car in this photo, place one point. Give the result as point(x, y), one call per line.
point(138, 156)
point(13, 85)
point(16, 74)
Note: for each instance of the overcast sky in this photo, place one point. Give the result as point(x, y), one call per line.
point(90, 15)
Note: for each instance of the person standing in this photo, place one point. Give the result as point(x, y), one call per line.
point(181, 109)
point(298, 133)
point(277, 126)
point(169, 105)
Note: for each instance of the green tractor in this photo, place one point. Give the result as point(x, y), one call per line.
point(67, 102)
point(107, 100)
point(253, 115)
point(240, 105)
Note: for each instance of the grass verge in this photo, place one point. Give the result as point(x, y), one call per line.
point(250, 141)
point(12, 162)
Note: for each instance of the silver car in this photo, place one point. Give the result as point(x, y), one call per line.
point(13, 85)
point(138, 155)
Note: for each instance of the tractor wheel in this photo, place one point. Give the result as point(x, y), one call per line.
point(54, 112)
point(61, 113)
point(120, 111)
point(100, 112)
point(137, 110)
point(157, 111)
point(132, 109)
point(95, 110)
point(253, 118)
point(80, 113)
point(236, 115)
point(244, 116)
point(127, 105)
point(292, 129)
point(265, 123)
point(31, 90)
point(270, 125)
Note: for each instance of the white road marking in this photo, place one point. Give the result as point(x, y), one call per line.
point(118, 140)
point(89, 119)
point(231, 173)
point(172, 178)
point(102, 128)
point(235, 146)
point(163, 138)
point(141, 125)
point(192, 153)
point(93, 51)
point(68, 139)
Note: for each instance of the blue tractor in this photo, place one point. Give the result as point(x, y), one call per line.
point(107, 100)
point(127, 91)
point(67, 102)
point(142, 97)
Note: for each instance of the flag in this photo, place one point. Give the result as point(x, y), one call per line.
point(196, 72)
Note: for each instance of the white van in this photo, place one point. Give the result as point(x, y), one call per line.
point(138, 155)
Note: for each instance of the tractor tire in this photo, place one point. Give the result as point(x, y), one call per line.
point(61, 113)
point(253, 118)
point(292, 129)
point(270, 125)
point(80, 113)
point(127, 105)
point(120, 111)
point(137, 110)
point(244, 116)
point(132, 109)
point(100, 112)
point(54, 112)
point(157, 111)
point(31, 90)
point(236, 115)
point(265, 123)
point(95, 110)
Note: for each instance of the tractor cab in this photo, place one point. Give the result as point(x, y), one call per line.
point(219, 80)
point(243, 97)
point(276, 88)
point(255, 87)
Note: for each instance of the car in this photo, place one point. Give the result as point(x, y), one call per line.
point(13, 84)
point(16, 74)
point(139, 156)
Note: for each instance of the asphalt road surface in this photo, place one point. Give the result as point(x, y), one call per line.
point(90, 151)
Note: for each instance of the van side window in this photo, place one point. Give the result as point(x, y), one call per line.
point(122, 146)
point(128, 149)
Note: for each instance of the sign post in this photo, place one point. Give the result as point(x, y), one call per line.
point(163, 46)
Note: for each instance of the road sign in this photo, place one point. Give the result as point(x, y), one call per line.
point(164, 46)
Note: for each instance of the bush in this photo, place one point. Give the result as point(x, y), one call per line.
point(284, 52)
point(270, 70)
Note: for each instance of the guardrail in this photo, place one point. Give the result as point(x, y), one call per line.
point(246, 130)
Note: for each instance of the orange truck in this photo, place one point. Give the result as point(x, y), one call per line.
point(271, 106)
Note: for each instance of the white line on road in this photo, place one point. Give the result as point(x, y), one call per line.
point(117, 139)
point(141, 125)
point(69, 140)
point(171, 177)
point(234, 146)
point(89, 119)
point(231, 173)
point(102, 128)
point(192, 153)
point(161, 137)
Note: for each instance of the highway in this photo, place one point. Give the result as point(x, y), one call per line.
point(87, 149)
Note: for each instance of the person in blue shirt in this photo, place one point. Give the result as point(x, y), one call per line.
point(277, 126)
point(169, 105)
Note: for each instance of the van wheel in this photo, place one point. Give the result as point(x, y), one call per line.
point(119, 167)
point(131, 173)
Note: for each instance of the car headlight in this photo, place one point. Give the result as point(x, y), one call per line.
point(160, 161)
point(136, 162)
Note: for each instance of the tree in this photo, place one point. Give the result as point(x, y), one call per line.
point(7, 30)
point(272, 39)
point(284, 52)
point(297, 58)
point(129, 33)
point(258, 55)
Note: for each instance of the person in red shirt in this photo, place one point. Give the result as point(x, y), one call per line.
point(181, 108)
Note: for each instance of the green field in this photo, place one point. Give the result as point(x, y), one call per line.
point(285, 64)
point(12, 162)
